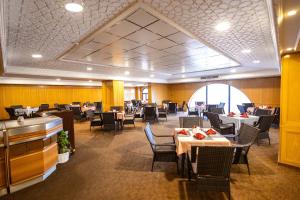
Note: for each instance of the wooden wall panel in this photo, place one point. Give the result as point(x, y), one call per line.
point(159, 93)
point(112, 94)
point(290, 115)
point(27, 95)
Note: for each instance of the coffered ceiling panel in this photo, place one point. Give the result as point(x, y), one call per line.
point(163, 37)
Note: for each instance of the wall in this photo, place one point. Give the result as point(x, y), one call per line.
point(289, 147)
point(261, 91)
point(27, 95)
point(159, 92)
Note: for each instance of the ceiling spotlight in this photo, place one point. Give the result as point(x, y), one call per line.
point(152, 75)
point(256, 61)
point(289, 49)
point(126, 72)
point(286, 56)
point(58, 79)
point(182, 76)
point(90, 81)
point(223, 26)
point(74, 7)
point(291, 12)
point(233, 70)
point(246, 51)
point(89, 68)
point(36, 55)
point(152, 69)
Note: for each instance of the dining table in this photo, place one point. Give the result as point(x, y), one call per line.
point(28, 111)
point(185, 142)
point(237, 119)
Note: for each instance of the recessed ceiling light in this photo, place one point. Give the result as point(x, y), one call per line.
point(73, 7)
point(89, 68)
point(36, 55)
point(256, 61)
point(289, 49)
point(182, 76)
point(246, 51)
point(90, 81)
point(126, 72)
point(286, 56)
point(152, 69)
point(233, 70)
point(152, 75)
point(292, 12)
point(223, 26)
point(58, 79)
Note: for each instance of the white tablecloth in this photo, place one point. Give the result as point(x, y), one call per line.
point(27, 111)
point(184, 143)
point(237, 120)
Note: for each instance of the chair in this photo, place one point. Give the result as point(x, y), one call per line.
point(227, 129)
point(172, 108)
point(247, 105)
point(246, 137)
point(181, 107)
point(199, 103)
point(44, 107)
point(129, 119)
point(162, 113)
point(90, 115)
point(116, 108)
point(218, 110)
point(211, 166)
point(16, 106)
point(221, 105)
point(98, 106)
point(241, 108)
point(162, 152)
point(11, 113)
point(78, 114)
point(150, 113)
point(76, 103)
point(192, 112)
point(263, 124)
point(190, 122)
point(276, 116)
point(109, 122)
point(61, 107)
point(55, 105)
point(260, 112)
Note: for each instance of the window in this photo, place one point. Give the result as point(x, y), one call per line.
point(145, 94)
point(216, 93)
point(129, 94)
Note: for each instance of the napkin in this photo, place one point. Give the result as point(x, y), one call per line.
point(183, 132)
point(231, 114)
point(211, 132)
point(199, 136)
point(244, 115)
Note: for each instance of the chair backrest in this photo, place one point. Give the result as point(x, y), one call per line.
point(172, 107)
point(221, 105)
point(44, 106)
point(247, 105)
point(199, 103)
point(116, 108)
point(189, 122)
point(108, 117)
point(150, 136)
point(90, 114)
point(265, 122)
point(260, 112)
point(247, 134)
point(218, 110)
point(183, 104)
point(76, 110)
point(213, 161)
point(76, 103)
point(11, 112)
point(211, 106)
point(214, 120)
point(61, 106)
point(149, 113)
point(241, 108)
point(16, 106)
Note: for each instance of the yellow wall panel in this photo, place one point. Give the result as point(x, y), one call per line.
point(159, 92)
point(28, 95)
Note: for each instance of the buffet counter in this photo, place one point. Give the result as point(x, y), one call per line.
point(28, 151)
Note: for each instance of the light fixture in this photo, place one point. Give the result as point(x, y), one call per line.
point(291, 13)
point(246, 51)
point(126, 72)
point(152, 75)
point(256, 61)
point(233, 70)
point(289, 49)
point(90, 81)
point(286, 56)
point(152, 69)
point(89, 68)
point(182, 76)
point(36, 55)
point(58, 79)
point(223, 26)
point(74, 7)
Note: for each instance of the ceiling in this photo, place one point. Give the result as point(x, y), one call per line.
point(143, 41)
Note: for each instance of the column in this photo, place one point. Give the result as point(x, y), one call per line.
point(289, 147)
point(112, 94)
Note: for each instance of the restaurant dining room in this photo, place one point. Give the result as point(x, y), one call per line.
point(149, 99)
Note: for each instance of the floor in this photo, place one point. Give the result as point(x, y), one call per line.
point(117, 166)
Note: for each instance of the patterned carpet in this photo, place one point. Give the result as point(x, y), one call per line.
point(117, 166)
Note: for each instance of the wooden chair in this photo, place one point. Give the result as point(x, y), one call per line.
point(189, 122)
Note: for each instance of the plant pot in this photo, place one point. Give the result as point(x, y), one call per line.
point(63, 157)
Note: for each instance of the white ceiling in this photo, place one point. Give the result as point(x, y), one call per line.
point(157, 41)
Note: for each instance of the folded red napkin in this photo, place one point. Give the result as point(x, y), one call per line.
point(244, 115)
point(183, 132)
point(199, 136)
point(211, 132)
point(231, 114)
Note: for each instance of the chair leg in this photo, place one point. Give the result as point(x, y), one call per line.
point(269, 140)
point(246, 159)
point(153, 160)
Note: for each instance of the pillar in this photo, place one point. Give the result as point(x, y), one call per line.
point(112, 94)
point(289, 147)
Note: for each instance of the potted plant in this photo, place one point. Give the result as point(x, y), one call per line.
point(63, 147)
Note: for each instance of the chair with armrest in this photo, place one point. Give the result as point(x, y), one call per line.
point(44, 106)
point(162, 152)
point(228, 129)
point(190, 122)
point(76, 103)
point(191, 111)
point(129, 119)
point(221, 105)
point(11, 113)
point(78, 114)
point(260, 112)
point(218, 110)
point(98, 107)
point(276, 116)
point(241, 109)
point(211, 167)
point(181, 107)
point(246, 137)
point(116, 108)
point(150, 113)
point(109, 121)
point(263, 124)
point(94, 121)
point(247, 105)
point(162, 113)
point(172, 107)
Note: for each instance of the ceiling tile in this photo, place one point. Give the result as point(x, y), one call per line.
point(124, 44)
point(123, 28)
point(105, 38)
point(142, 18)
point(144, 49)
point(161, 44)
point(176, 49)
point(162, 28)
point(195, 44)
point(179, 38)
point(143, 36)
